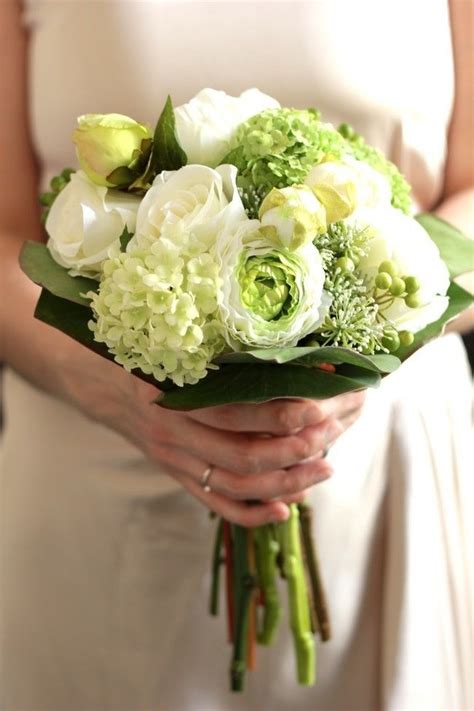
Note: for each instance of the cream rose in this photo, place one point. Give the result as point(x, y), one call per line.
point(85, 221)
point(206, 125)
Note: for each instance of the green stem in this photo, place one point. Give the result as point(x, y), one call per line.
point(216, 569)
point(317, 588)
point(244, 584)
point(300, 618)
point(266, 552)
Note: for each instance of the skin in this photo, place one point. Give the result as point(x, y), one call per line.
point(247, 463)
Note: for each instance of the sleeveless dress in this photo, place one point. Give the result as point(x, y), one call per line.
point(104, 559)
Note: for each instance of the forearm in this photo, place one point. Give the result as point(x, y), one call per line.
point(30, 347)
point(458, 209)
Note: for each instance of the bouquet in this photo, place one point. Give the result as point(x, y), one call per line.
point(242, 252)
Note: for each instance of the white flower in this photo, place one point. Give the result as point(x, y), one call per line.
point(206, 125)
point(268, 296)
point(347, 185)
point(194, 199)
point(400, 239)
point(85, 221)
point(157, 304)
point(294, 214)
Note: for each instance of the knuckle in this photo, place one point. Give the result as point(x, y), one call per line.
point(301, 448)
point(286, 418)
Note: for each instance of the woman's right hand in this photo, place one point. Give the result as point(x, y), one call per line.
point(267, 454)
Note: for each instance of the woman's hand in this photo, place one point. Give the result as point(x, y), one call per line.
point(267, 454)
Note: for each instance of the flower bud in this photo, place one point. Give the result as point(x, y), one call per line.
point(406, 338)
point(292, 216)
point(345, 264)
point(389, 267)
point(383, 280)
point(413, 301)
point(397, 287)
point(412, 284)
point(107, 142)
point(391, 340)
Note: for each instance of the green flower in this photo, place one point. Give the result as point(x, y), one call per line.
point(278, 147)
point(268, 296)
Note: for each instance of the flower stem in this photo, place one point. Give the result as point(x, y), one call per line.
point(244, 584)
point(266, 550)
point(317, 588)
point(300, 619)
point(217, 561)
point(227, 538)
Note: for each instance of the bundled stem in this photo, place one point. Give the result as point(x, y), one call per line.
point(267, 549)
point(300, 618)
point(216, 568)
point(244, 584)
point(316, 584)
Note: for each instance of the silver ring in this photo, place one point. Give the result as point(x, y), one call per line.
point(205, 478)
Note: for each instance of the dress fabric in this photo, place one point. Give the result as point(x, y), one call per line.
point(104, 559)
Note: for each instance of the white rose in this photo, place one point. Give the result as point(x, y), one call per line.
point(400, 239)
point(194, 202)
point(347, 185)
point(269, 296)
point(206, 125)
point(85, 221)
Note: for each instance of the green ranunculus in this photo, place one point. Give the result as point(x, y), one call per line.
point(111, 148)
point(268, 296)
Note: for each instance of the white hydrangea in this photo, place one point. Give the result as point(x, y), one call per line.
point(156, 308)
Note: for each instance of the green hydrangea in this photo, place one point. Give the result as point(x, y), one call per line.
point(156, 310)
point(362, 151)
point(277, 148)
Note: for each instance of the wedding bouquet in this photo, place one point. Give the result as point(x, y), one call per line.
point(242, 252)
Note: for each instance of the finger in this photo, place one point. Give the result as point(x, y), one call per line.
point(340, 405)
point(277, 417)
point(241, 513)
point(252, 454)
point(271, 485)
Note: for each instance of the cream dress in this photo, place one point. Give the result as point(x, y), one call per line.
point(104, 559)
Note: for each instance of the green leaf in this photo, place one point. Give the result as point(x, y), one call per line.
point(459, 300)
point(121, 177)
point(311, 355)
point(125, 238)
point(456, 249)
point(167, 154)
point(254, 383)
point(38, 264)
point(72, 319)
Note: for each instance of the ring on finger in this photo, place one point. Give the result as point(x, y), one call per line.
point(204, 479)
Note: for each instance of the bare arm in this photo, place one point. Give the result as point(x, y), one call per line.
point(457, 205)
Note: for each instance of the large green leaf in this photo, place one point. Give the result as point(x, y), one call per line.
point(40, 267)
point(456, 250)
point(311, 355)
point(254, 383)
point(459, 300)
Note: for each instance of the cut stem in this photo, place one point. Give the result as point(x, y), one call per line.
point(216, 568)
point(300, 619)
point(267, 549)
point(244, 584)
point(316, 583)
